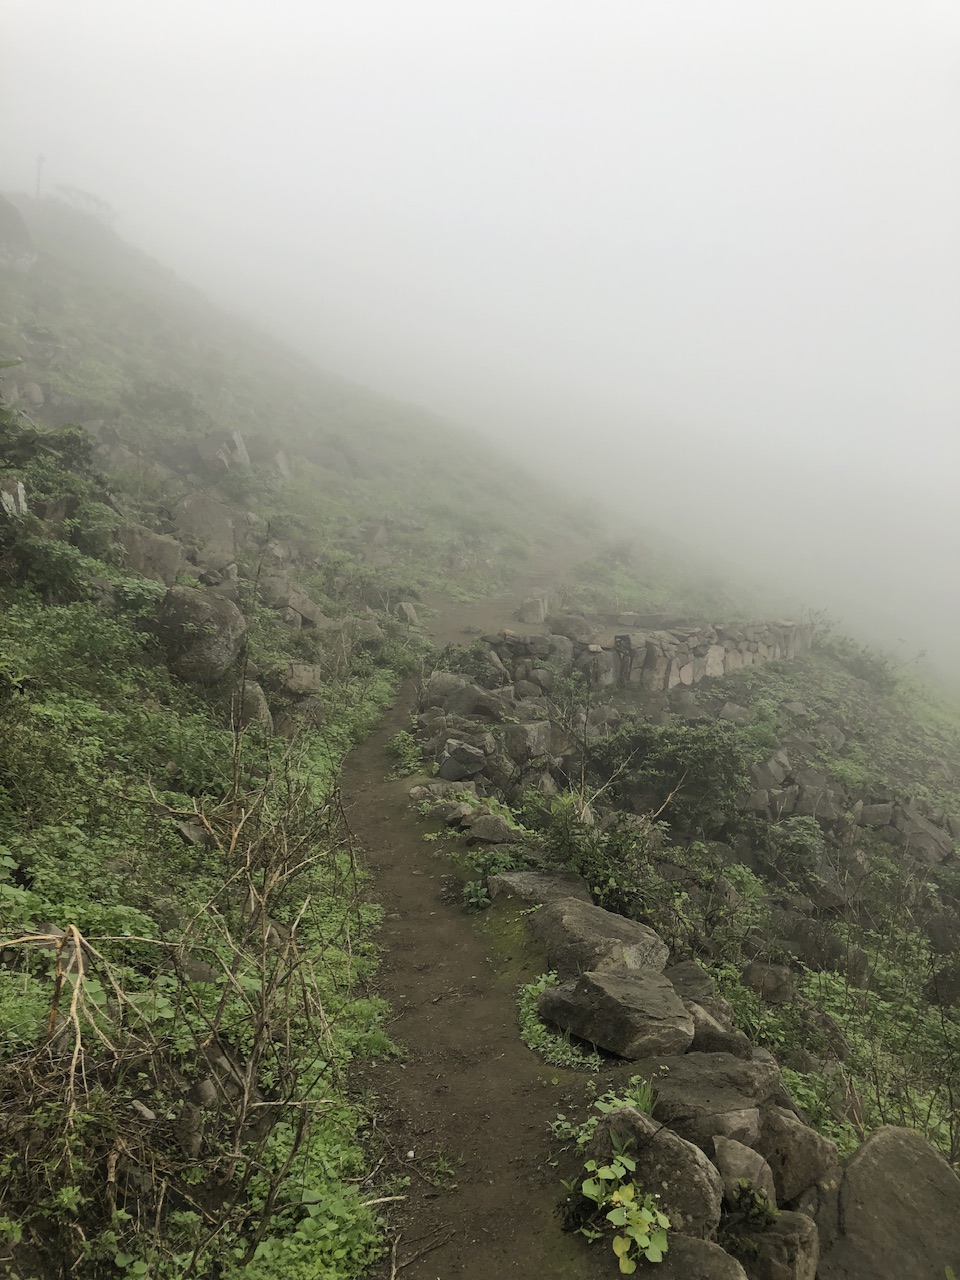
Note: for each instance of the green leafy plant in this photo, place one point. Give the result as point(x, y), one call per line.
point(405, 750)
point(639, 1094)
point(640, 1226)
point(476, 896)
point(552, 1045)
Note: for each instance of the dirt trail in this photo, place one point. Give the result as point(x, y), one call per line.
point(468, 1099)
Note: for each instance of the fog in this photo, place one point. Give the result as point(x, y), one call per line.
point(698, 259)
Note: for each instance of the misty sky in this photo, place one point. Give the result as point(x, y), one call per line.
point(714, 243)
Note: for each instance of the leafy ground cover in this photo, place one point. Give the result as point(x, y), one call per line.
point(185, 945)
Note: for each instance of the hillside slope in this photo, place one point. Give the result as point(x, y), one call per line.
point(216, 567)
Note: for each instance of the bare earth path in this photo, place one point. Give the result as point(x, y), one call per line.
point(467, 1099)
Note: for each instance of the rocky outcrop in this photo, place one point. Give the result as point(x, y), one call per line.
point(222, 452)
point(303, 679)
point(203, 634)
point(613, 650)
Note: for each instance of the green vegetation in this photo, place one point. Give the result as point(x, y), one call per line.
point(640, 1226)
point(638, 1094)
point(552, 1045)
point(369, 483)
point(405, 751)
point(185, 939)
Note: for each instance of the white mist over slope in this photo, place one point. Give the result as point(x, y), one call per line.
point(702, 260)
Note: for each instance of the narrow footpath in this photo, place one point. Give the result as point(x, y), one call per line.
point(465, 1111)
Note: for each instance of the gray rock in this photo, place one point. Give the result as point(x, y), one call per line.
point(406, 612)
point(628, 1012)
point(789, 1249)
point(151, 554)
point(281, 594)
point(772, 982)
point(533, 610)
point(33, 394)
point(899, 1212)
point(735, 714)
point(705, 1094)
point(460, 760)
point(689, 1258)
point(250, 707)
point(739, 1164)
point(203, 520)
point(579, 937)
point(687, 1185)
point(832, 735)
point(203, 634)
point(471, 701)
point(876, 814)
point(536, 888)
point(439, 688)
point(711, 1036)
point(527, 741)
point(13, 498)
point(223, 451)
point(493, 828)
point(693, 984)
point(573, 626)
point(921, 837)
point(302, 679)
point(798, 1155)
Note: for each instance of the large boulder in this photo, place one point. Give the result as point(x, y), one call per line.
point(524, 742)
point(688, 1186)
point(738, 1165)
point(471, 701)
point(920, 837)
point(208, 524)
point(788, 1249)
point(631, 1013)
point(439, 688)
point(899, 1213)
point(250, 707)
point(491, 828)
point(705, 1094)
point(772, 982)
point(203, 633)
point(689, 1258)
point(579, 937)
point(797, 1154)
point(151, 554)
point(303, 679)
point(13, 498)
point(535, 887)
point(460, 760)
point(278, 592)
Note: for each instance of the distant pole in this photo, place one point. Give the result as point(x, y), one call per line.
point(41, 161)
